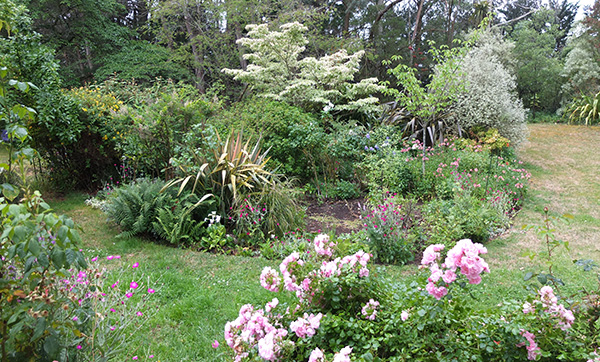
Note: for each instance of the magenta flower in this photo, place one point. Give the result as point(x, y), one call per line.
point(133, 285)
point(215, 344)
point(75, 319)
point(151, 291)
point(79, 346)
point(114, 285)
point(110, 257)
point(139, 314)
point(129, 295)
point(134, 358)
point(135, 265)
point(95, 258)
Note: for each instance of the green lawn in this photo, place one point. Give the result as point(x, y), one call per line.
point(201, 291)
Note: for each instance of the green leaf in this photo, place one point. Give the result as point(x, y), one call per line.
point(62, 233)
point(29, 263)
point(23, 87)
point(367, 357)
point(421, 312)
point(14, 317)
point(52, 346)
point(528, 276)
point(28, 152)
point(9, 191)
point(43, 260)
point(20, 233)
point(58, 257)
point(40, 328)
point(71, 257)
point(34, 247)
point(20, 133)
point(543, 279)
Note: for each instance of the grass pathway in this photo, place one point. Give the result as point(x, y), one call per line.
point(565, 165)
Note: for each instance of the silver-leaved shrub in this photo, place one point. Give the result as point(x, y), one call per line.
point(581, 71)
point(489, 97)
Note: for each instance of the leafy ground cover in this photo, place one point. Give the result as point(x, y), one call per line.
point(200, 292)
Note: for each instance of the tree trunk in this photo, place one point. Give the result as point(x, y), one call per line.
point(238, 36)
point(450, 21)
point(88, 56)
point(198, 72)
point(416, 37)
point(347, 13)
point(377, 22)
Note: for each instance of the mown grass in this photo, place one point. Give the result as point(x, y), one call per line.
point(201, 291)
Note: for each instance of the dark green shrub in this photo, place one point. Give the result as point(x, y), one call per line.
point(157, 127)
point(134, 207)
point(179, 224)
point(294, 138)
point(345, 190)
point(142, 61)
point(391, 173)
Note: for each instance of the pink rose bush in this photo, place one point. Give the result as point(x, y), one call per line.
point(340, 311)
point(272, 333)
point(463, 257)
point(323, 246)
point(370, 309)
point(270, 280)
point(533, 351)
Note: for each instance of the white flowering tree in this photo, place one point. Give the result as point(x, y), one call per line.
point(277, 71)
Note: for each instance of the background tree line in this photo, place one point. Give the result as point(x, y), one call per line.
point(192, 40)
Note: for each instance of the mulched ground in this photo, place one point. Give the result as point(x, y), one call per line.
point(343, 216)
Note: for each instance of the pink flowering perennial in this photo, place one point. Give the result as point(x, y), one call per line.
point(270, 280)
point(323, 246)
point(369, 310)
point(532, 348)
point(463, 257)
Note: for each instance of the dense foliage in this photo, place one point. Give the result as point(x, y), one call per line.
point(209, 120)
point(342, 311)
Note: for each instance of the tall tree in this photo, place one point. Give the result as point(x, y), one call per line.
point(204, 33)
point(591, 22)
point(564, 14)
point(80, 31)
point(538, 63)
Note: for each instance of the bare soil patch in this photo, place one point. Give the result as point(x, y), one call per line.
point(341, 216)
